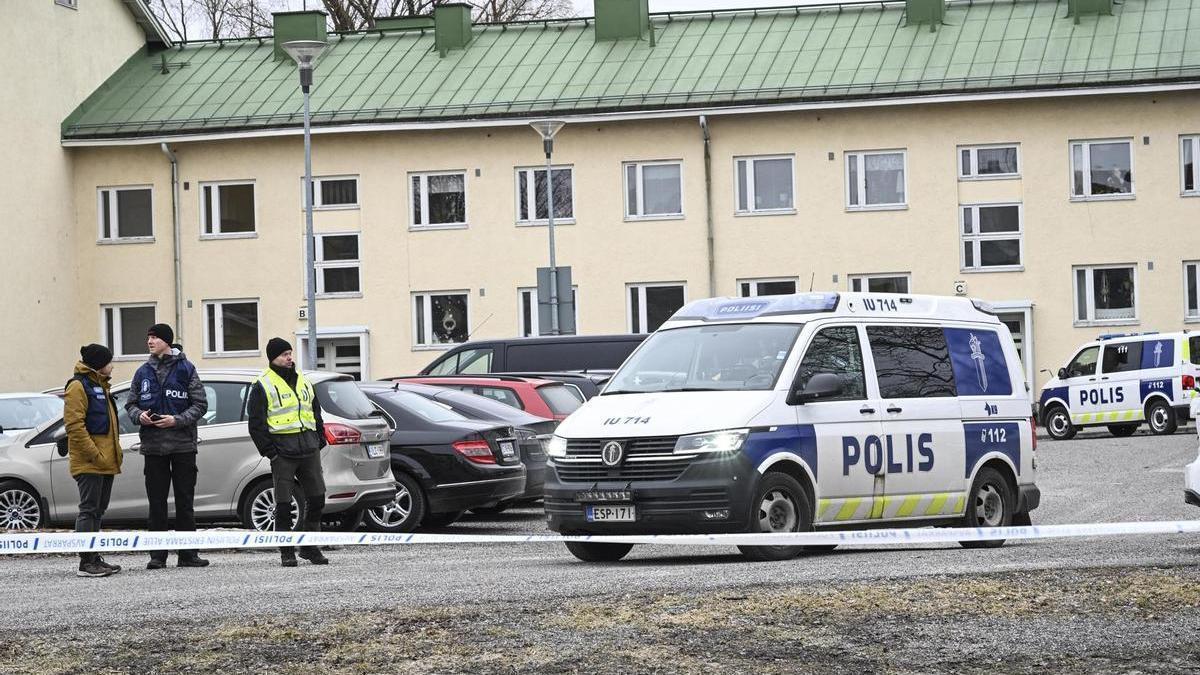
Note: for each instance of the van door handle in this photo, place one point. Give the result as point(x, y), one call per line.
point(1104, 378)
point(894, 409)
point(866, 410)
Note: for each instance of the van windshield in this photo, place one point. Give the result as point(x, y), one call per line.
point(739, 357)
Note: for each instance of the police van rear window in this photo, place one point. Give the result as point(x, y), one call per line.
point(1194, 348)
point(925, 362)
point(1121, 357)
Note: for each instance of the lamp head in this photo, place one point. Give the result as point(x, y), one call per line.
point(304, 52)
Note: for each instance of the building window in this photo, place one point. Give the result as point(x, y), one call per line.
point(71, 4)
point(1191, 280)
point(653, 189)
point(880, 283)
point(227, 208)
point(650, 305)
point(531, 195)
point(231, 327)
point(338, 264)
point(1101, 169)
point(764, 184)
point(988, 161)
point(125, 328)
point(749, 288)
point(440, 318)
point(875, 180)
point(1189, 152)
point(125, 213)
point(439, 199)
point(333, 192)
point(991, 236)
point(528, 311)
point(1105, 293)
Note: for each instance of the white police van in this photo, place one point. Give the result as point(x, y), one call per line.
point(1122, 380)
point(789, 413)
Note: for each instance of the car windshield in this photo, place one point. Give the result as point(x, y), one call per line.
point(738, 357)
point(28, 412)
point(419, 405)
point(344, 399)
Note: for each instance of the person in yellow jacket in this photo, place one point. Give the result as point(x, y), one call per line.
point(94, 446)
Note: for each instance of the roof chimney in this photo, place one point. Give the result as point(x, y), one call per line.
point(1078, 8)
point(451, 26)
point(917, 12)
point(291, 26)
point(618, 19)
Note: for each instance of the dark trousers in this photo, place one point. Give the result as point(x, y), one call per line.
point(94, 493)
point(286, 473)
point(164, 472)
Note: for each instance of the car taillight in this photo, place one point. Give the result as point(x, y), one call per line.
point(1189, 382)
point(1033, 430)
point(478, 452)
point(340, 434)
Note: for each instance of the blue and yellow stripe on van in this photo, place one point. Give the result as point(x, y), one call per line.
point(1137, 415)
point(929, 505)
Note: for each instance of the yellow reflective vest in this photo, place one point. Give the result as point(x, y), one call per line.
point(288, 411)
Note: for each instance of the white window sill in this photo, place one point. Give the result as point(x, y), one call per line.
point(1112, 322)
point(543, 223)
point(877, 207)
point(231, 355)
point(125, 240)
point(764, 212)
point(231, 235)
point(1001, 176)
point(998, 268)
point(1191, 319)
point(334, 207)
point(447, 226)
point(665, 216)
point(436, 348)
point(1193, 193)
point(338, 296)
point(1103, 198)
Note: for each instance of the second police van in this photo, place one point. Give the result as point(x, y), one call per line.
point(1121, 381)
point(801, 412)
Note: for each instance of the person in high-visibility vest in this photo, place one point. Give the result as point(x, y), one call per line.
point(285, 424)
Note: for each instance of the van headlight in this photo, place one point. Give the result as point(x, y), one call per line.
point(557, 446)
point(730, 440)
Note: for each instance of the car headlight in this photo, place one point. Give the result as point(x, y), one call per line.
point(557, 447)
point(730, 440)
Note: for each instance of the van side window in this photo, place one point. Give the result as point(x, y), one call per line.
point(447, 366)
point(835, 350)
point(911, 361)
point(475, 361)
point(1194, 348)
point(1084, 362)
point(1122, 358)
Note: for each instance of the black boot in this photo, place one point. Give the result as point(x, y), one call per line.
point(287, 556)
point(313, 555)
point(191, 559)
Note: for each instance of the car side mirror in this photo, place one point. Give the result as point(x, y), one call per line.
point(820, 386)
point(1063, 374)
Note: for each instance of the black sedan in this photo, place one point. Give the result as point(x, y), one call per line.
point(444, 463)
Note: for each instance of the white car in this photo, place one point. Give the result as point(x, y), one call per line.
point(1191, 488)
point(24, 411)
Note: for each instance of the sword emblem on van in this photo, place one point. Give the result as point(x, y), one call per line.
point(978, 357)
point(1157, 354)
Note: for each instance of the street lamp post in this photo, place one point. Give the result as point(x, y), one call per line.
point(305, 54)
point(547, 129)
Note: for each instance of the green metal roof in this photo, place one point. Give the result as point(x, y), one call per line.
point(699, 59)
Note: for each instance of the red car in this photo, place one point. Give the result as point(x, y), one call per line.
point(544, 398)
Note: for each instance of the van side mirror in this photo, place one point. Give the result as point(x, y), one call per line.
point(1063, 374)
point(820, 386)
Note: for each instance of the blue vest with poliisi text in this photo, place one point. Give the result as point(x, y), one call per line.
point(169, 399)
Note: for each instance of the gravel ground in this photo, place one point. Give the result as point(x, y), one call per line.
point(1094, 605)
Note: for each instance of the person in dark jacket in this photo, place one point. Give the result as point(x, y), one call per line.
point(167, 400)
point(93, 444)
point(286, 426)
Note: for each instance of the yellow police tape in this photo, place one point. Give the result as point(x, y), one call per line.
point(113, 542)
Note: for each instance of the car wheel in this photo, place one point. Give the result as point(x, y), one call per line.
point(1162, 418)
point(20, 508)
point(441, 519)
point(258, 507)
point(595, 552)
point(1058, 424)
point(990, 504)
point(1022, 519)
point(403, 513)
point(346, 521)
point(1122, 430)
point(780, 505)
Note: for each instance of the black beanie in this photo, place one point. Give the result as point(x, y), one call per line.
point(95, 356)
point(163, 332)
point(277, 346)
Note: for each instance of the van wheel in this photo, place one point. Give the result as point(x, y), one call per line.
point(1058, 424)
point(1162, 418)
point(404, 512)
point(595, 552)
point(258, 507)
point(20, 508)
point(990, 504)
point(780, 505)
point(1122, 430)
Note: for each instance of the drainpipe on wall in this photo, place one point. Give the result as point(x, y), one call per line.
point(708, 212)
point(175, 238)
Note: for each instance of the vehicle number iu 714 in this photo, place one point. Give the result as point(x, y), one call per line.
point(993, 435)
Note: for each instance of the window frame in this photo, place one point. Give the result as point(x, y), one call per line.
point(755, 281)
point(531, 198)
point(1194, 267)
point(318, 206)
point(112, 214)
point(1090, 292)
point(642, 286)
point(69, 4)
point(641, 191)
point(320, 265)
point(219, 332)
point(978, 237)
point(1087, 144)
point(1194, 141)
point(216, 208)
point(851, 278)
point(118, 346)
point(533, 317)
point(861, 183)
point(424, 181)
point(974, 161)
point(751, 160)
point(868, 377)
point(427, 311)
